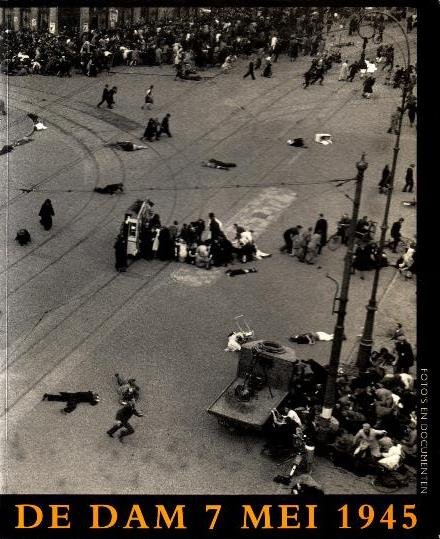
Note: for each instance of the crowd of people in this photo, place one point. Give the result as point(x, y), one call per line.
point(306, 244)
point(202, 244)
point(203, 40)
point(303, 244)
point(373, 430)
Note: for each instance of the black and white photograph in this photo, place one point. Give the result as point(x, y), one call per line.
point(208, 250)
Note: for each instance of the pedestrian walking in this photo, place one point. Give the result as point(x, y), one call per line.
point(150, 130)
point(46, 214)
point(165, 125)
point(111, 97)
point(321, 228)
point(105, 95)
point(123, 415)
point(385, 180)
point(250, 70)
point(405, 355)
point(409, 179)
point(148, 98)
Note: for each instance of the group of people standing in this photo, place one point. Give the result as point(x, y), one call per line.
point(385, 180)
point(155, 128)
point(257, 64)
point(199, 243)
point(108, 96)
point(303, 244)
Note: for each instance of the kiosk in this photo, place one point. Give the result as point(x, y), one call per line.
point(137, 215)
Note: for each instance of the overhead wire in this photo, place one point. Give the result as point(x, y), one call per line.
point(337, 182)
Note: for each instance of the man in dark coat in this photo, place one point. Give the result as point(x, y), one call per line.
point(111, 97)
point(250, 70)
point(321, 227)
point(395, 233)
point(46, 214)
point(165, 125)
point(123, 415)
point(150, 131)
point(405, 355)
point(105, 96)
point(409, 179)
point(72, 399)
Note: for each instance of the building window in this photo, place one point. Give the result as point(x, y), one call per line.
point(43, 18)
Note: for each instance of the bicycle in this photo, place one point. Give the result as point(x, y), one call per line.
point(335, 240)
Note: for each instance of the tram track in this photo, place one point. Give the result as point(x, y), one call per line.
point(149, 281)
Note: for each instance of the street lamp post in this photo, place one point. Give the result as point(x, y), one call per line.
point(366, 343)
point(365, 39)
point(338, 336)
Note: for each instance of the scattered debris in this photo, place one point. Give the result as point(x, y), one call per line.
point(323, 138)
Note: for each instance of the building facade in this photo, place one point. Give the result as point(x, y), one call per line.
point(55, 19)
